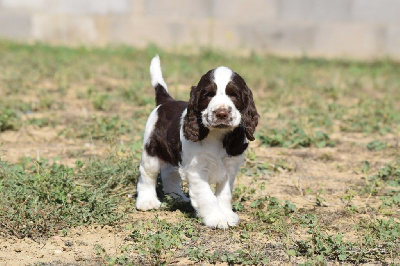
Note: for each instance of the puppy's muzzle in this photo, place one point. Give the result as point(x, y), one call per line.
point(222, 118)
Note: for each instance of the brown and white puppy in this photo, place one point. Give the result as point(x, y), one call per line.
point(201, 141)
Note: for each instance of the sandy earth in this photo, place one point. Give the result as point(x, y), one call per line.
point(333, 170)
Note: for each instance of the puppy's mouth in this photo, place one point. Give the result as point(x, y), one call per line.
point(222, 126)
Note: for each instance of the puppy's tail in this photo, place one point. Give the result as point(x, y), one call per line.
point(158, 82)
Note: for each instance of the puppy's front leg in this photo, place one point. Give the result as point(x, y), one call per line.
point(205, 202)
point(224, 188)
point(224, 196)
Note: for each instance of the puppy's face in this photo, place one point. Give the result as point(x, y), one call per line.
point(221, 100)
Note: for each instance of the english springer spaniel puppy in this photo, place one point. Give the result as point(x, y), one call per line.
point(201, 141)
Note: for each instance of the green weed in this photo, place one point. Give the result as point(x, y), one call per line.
point(9, 119)
point(376, 145)
point(294, 137)
point(271, 210)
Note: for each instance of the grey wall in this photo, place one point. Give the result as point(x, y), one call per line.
point(331, 28)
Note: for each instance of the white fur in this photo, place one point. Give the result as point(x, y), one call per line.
point(156, 73)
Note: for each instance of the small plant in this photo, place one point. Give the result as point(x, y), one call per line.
point(386, 175)
point(202, 255)
point(294, 137)
point(9, 119)
point(376, 145)
point(271, 210)
point(320, 200)
point(101, 102)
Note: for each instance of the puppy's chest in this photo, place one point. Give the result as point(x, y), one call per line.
point(214, 168)
point(207, 159)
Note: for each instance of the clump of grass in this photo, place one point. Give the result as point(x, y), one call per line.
point(101, 102)
point(38, 198)
point(294, 137)
point(158, 238)
point(42, 122)
point(388, 175)
point(376, 145)
point(100, 127)
point(9, 119)
point(159, 242)
point(372, 116)
point(270, 209)
point(321, 246)
point(376, 240)
point(245, 257)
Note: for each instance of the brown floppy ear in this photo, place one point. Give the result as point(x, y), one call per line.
point(193, 128)
point(249, 114)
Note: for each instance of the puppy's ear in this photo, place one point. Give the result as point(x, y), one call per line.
point(193, 129)
point(249, 114)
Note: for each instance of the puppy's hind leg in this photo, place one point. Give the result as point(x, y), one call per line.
point(146, 188)
point(172, 182)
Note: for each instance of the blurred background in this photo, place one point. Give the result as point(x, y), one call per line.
point(361, 29)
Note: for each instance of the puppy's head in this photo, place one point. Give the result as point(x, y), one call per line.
point(221, 100)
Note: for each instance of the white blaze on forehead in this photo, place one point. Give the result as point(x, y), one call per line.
point(222, 76)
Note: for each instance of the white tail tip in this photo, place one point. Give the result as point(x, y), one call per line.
point(156, 73)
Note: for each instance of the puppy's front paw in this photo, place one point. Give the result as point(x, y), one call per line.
point(145, 203)
point(216, 220)
point(233, 218)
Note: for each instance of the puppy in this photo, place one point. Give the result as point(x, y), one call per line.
point(201, 141)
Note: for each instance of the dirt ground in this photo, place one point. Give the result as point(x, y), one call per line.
point(328, 173)
point(333, 170)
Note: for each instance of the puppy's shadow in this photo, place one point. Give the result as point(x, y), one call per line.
point(173, 204)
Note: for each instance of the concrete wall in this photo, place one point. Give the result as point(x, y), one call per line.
point(332, 28)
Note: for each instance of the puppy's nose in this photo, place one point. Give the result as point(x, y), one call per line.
point(221, 113)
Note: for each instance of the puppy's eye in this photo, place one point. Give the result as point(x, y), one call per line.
point(209, 95)
point(233, 95)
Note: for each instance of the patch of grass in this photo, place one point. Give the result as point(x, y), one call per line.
point(294, 137)
point(256, 168)
point(232, 258)
point(9, 119)
point(154, 242)
point(376, 145)
point(101, 102)
point(388, 175)
point(376, 239)
point(100, 128)
point(382, 237)
point(42, 122)
point(270, 209)
point(321, 246)
point(39, 198)
point(372, 116)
